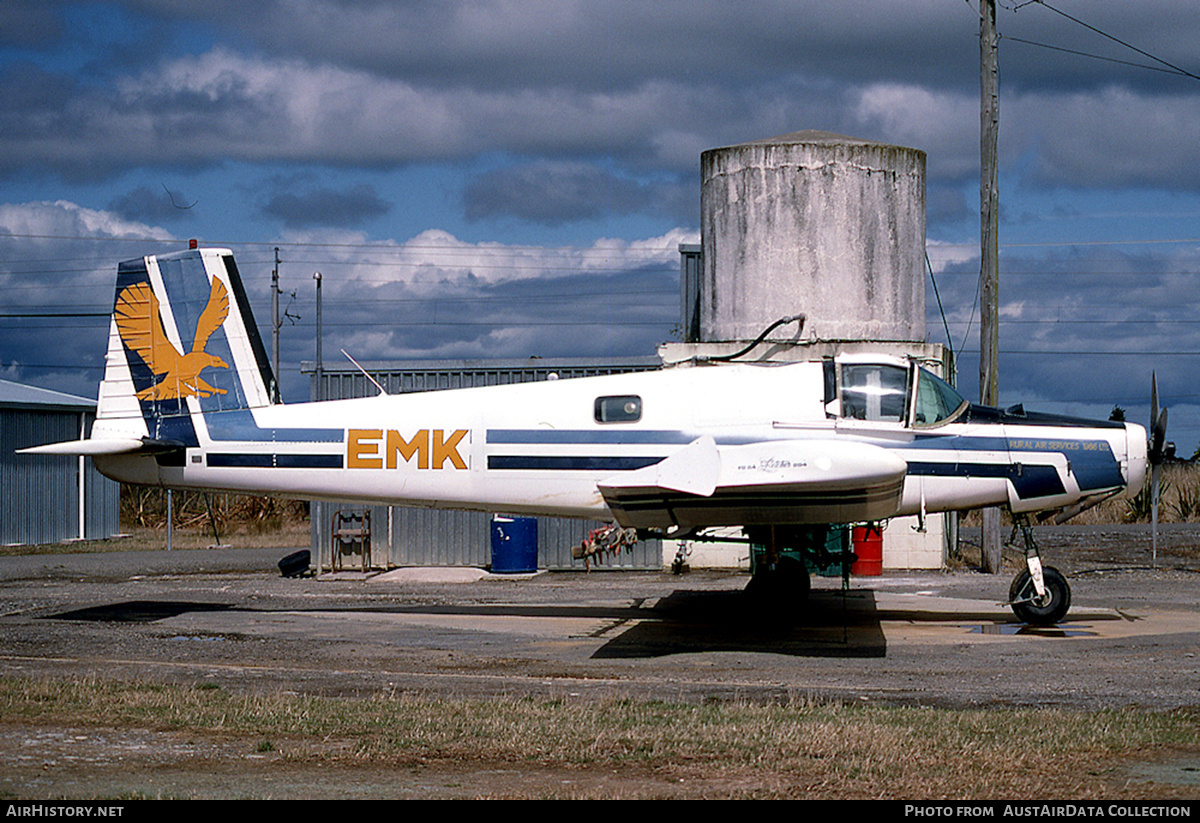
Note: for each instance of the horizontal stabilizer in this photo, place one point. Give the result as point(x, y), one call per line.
point(101, 446)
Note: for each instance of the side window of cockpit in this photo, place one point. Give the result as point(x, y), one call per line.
point(875, 392)
point(624, 408)
point(937, 401)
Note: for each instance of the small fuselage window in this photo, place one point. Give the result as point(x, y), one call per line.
point(623, 408)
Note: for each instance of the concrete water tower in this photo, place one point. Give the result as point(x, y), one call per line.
point(823, 225)
point(814, 223)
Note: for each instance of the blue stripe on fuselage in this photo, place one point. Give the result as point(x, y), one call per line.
point(274, 461)
point(1028, 481)
point(579, 436)
point(1091, 461)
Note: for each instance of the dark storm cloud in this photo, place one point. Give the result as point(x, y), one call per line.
point(646, 86)
point(29, 24)
point(185, 117)
point(1127, 44)
point(947, 204)
point(150, 205)
point(326, 207)
point(617, 44)
point(552, 193)
point(30, 91)
point(1111, 138)
point(598, 46)
point(1086, 325)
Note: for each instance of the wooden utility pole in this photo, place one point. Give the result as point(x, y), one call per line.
point(275, 326)
point(320, 373)
point(989, 267)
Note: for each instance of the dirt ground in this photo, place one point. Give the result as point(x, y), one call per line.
point(936, 639)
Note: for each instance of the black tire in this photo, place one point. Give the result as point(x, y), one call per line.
point(794, 582)
point(779, 594)
point(295, 564)
point(1053, 610)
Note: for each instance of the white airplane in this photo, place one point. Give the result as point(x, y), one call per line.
point(780, 450)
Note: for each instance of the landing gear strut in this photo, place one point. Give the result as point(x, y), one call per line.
point(1039, 596)
point(781, 557)
point(780, 580)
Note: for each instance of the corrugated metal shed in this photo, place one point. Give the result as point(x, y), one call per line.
point(428, 537)
point(50, 498)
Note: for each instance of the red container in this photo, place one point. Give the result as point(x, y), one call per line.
point(868, 546)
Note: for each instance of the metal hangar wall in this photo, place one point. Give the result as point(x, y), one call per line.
point(50, 498)
point(439, 537)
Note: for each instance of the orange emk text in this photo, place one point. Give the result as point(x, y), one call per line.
point(377, 449)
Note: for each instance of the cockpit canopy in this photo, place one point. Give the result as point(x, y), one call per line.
point(884, 392)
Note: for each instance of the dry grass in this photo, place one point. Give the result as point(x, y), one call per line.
point(146, 507)
point(290, 534)
point(245, 521)
point(1179, 501)
point(800, 749)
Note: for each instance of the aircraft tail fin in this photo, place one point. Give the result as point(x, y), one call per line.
point(182, 344)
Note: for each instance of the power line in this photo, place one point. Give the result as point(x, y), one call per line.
point(463, 248)
point(1078, 53)
point(1175, 69)
point(104, 314)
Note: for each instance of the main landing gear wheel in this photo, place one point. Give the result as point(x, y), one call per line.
point(787, 582)
point(777, 595)
point(1040, 611)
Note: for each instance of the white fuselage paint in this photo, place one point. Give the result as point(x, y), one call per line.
point(537, 448)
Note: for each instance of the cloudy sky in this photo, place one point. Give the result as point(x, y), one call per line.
point(482, 178)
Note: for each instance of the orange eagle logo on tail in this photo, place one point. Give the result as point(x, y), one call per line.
point(140, 326)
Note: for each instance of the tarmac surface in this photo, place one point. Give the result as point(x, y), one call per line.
point(941, 638)
point(225, 617)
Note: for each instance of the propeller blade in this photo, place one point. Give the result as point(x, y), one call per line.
point(1155, 455)
point(1158, 425)
point(1153, 399)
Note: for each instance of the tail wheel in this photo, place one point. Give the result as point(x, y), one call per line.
point(1040, 611)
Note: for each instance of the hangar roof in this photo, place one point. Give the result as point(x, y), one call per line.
point(20, 396)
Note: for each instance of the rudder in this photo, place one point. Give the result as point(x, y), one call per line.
point(182, 343)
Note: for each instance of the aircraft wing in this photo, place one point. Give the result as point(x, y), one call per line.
point(776, 482)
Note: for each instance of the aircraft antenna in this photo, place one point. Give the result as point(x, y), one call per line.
point(275, 326)
point(364, 371)
point(942, 311)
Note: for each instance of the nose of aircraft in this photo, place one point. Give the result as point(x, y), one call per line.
point(1135, 445)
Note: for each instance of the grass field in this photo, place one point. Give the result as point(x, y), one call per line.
point(731, 750)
